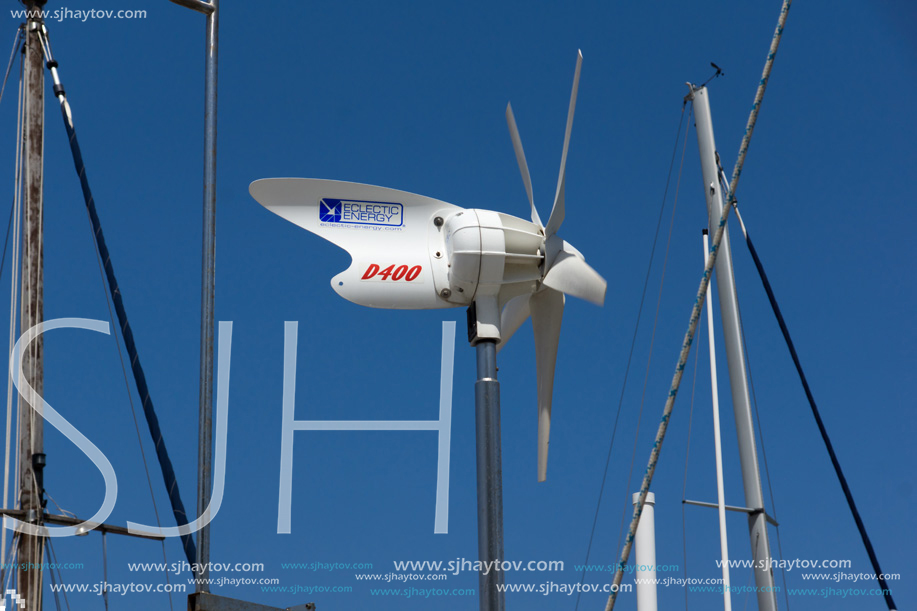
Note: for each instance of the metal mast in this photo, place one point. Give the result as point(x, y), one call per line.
point(31, 429)
point(489, 474)
point(732, 336)
point(208, 279)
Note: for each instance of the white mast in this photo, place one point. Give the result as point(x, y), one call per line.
point(645, 544)
point(732, 336)
point(720, 492)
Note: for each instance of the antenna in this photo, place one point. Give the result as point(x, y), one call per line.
point(414, 252)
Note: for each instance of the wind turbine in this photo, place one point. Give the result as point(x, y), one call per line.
point(414, 252)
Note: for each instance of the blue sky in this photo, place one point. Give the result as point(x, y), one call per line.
point(411, 96)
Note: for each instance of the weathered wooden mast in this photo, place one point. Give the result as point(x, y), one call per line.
point(31, 430)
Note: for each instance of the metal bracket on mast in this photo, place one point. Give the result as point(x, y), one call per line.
point(62, 520)
point(41, 517)
point(747, 510)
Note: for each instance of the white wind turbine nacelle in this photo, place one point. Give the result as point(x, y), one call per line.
point(414, 252)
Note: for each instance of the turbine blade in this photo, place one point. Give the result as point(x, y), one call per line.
point(520, 159)
point(571, 275)
point(515, 313)
point(547, 312)
point(557, 212)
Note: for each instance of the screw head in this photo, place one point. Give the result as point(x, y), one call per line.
point(445, 293)
point(438, 221)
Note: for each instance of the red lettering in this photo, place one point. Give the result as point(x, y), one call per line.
point(400, 272)
point(393, 272)
point(371, 271)
point(387, 271)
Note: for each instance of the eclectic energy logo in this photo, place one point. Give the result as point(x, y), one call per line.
point(356, 212)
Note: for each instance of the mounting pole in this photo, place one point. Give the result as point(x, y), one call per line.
point(489, 466)
point(31, 424)
point(208, 289)
point(208, 280)
point(732, 336)
point(645, 546)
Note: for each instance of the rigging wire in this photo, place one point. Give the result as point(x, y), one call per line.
point(99, 244)
point(684, 486)
point(17, 249)
point(59, 508)
point(130, 399)
point(14, 294)
point(889, 601)
point(754, 400)
point(649, 358)
point(9, 67)
point(760, 429)
point(60, 576)
point(168, 472)
point(13, 558)
point(698, 304)
point(751, 575)
point(37, 593)
point(54, 588)
point(767, 474)
point(105, 569)
point(16, 40)
point(7, 578)
point(633, 343)
point(6, 241)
